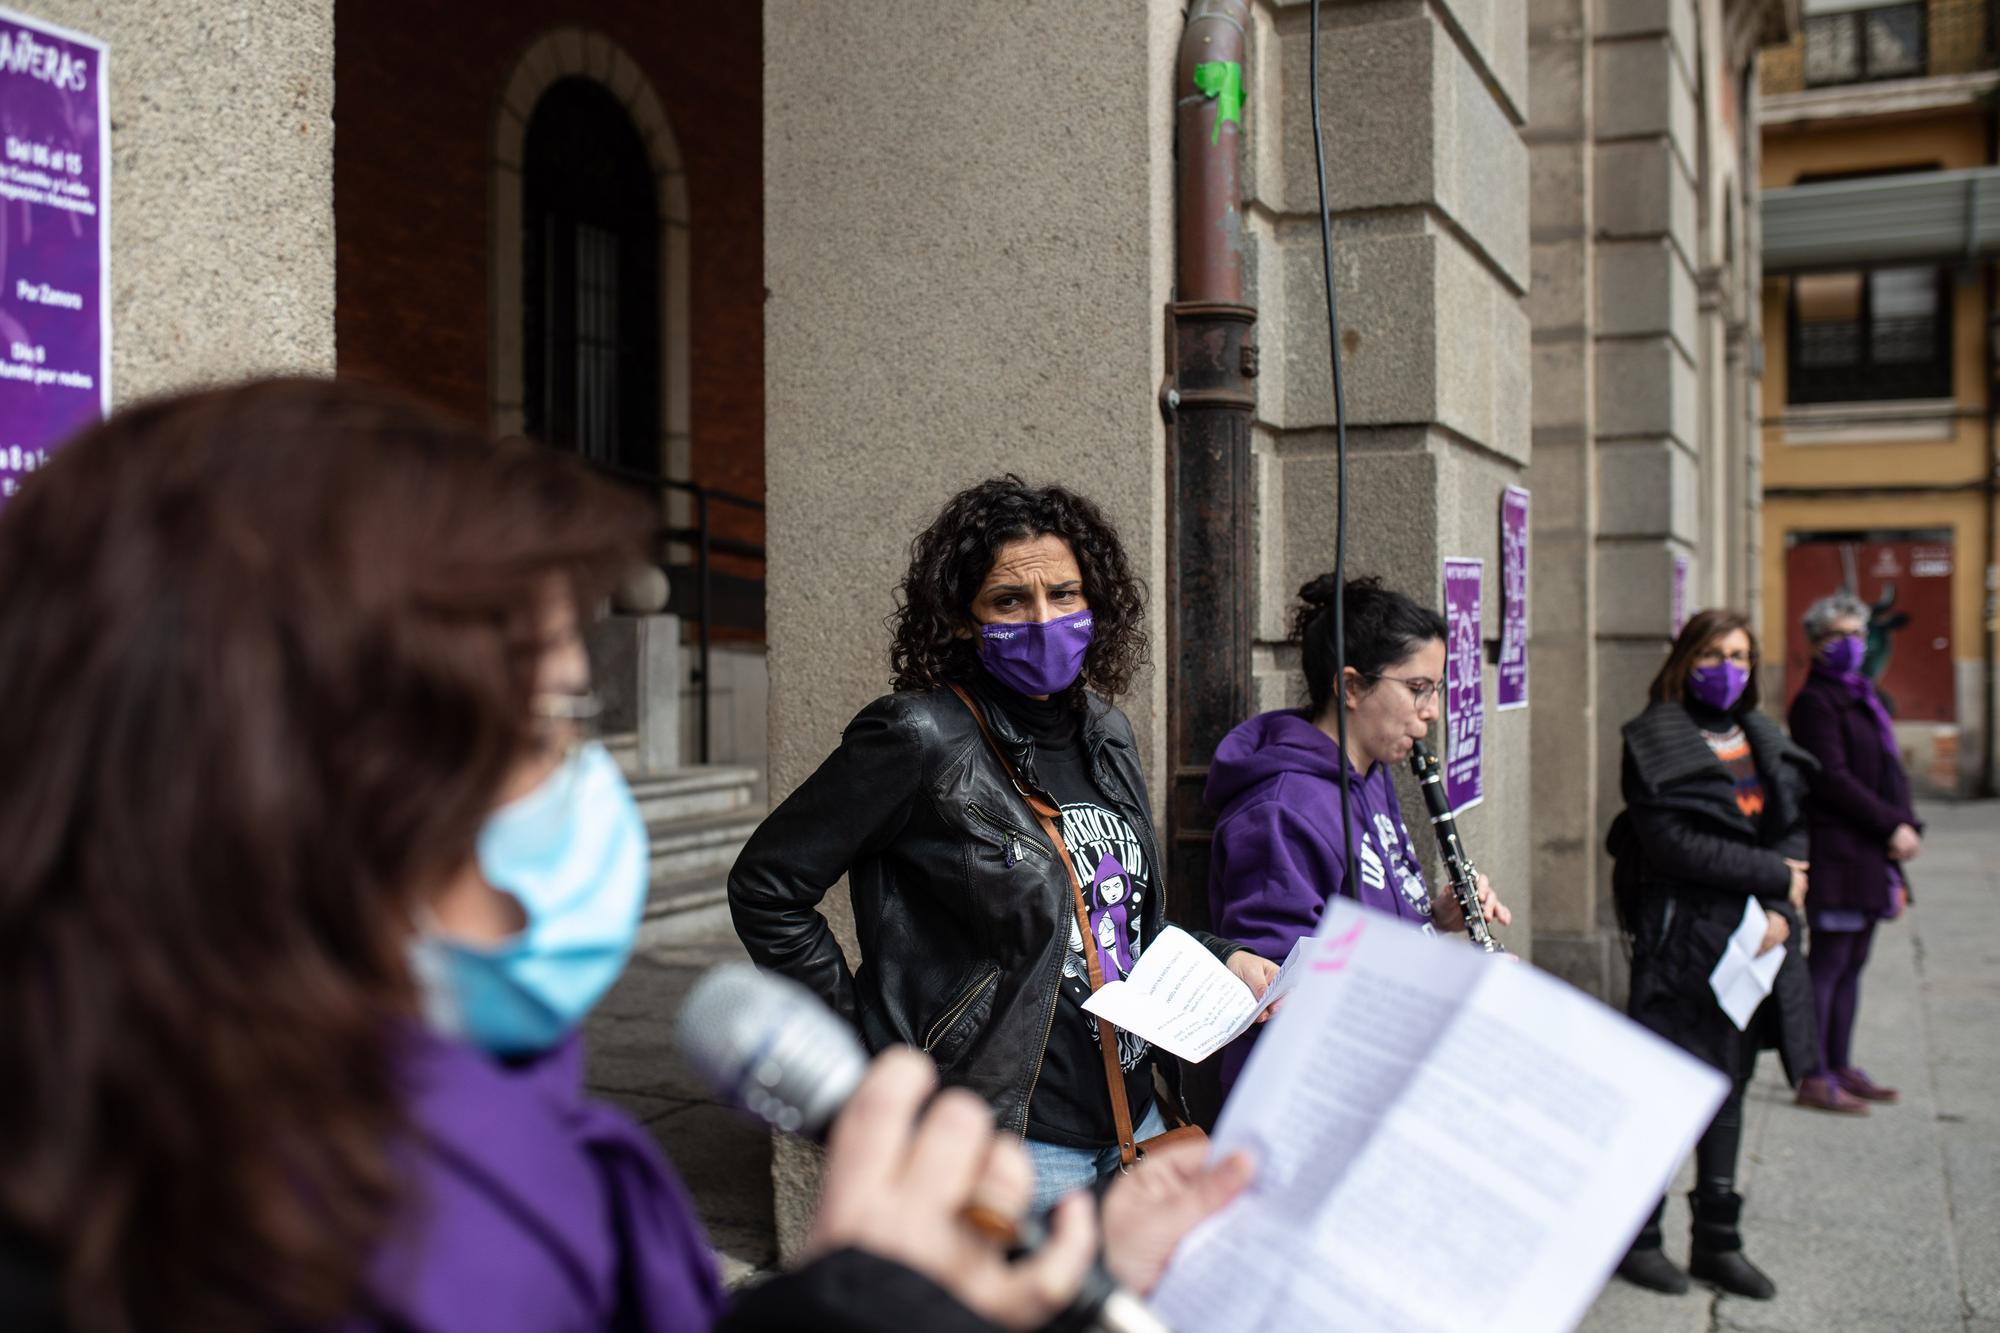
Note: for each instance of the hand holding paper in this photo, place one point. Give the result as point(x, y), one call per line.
point(1743, 976)
point(1181, 998)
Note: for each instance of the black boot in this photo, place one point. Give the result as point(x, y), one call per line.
point(1646, 1264)
point(1718, 1248)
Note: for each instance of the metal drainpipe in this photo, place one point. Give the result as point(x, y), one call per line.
point(1209, 399)
point(1990, 603)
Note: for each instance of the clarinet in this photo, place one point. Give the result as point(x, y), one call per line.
point(1457, 865)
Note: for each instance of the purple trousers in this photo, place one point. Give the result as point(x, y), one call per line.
point(1835, 960)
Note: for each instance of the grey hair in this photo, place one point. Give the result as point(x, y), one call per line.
point(1834, 606)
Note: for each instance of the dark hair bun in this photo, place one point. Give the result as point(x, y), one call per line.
point(1317, 597)
point(1383, 627)
point(1319, 592)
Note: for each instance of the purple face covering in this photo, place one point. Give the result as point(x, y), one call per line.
point(1844, 654)
point(1719, 686)
point(1037, 659)
point(1842, 661)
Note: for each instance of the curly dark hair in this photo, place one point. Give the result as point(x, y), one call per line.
point(951, 558)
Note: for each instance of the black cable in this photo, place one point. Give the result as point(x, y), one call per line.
point(1339, 467)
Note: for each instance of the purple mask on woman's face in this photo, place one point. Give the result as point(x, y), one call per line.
point(1844, 654)
point(1037, 658)
point(1719, 686)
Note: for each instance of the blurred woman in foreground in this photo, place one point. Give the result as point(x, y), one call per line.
point(313, 873)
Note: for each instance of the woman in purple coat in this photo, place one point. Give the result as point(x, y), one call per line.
point(1863, 831)
point(1279, 854)
point(312, 873)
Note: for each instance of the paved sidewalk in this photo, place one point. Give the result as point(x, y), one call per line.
point(1889, 1224)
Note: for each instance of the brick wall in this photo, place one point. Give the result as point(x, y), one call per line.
point(416, 91)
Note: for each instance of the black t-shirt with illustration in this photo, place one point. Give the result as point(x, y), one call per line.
point(1071, 1104)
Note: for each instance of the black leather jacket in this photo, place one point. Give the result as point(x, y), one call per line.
point(962, 909)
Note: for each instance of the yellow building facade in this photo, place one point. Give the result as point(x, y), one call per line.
point(1881, 216)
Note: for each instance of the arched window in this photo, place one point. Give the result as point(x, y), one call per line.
point(590, 279)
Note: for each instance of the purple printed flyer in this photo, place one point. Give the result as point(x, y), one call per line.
point(1512, 689)
point(55, 238)
point(1464, 693)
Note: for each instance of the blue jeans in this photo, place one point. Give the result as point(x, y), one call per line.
point(1060, 1169)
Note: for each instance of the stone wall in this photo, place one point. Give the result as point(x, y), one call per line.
point(221, 190)
point(1645, 319)
point(1562, 654)
point(1428, 180)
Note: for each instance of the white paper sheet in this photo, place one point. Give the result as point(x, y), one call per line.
point(1180, 997)
point(1742, 976)
point(1444, 1141)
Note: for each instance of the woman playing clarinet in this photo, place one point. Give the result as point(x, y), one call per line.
point(1280, 851)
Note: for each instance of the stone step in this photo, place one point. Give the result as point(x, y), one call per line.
point(624, 747)
point(687, 793)
point(682, 893)
point(687, 847)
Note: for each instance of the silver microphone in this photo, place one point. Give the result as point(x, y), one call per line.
point(769, 1046)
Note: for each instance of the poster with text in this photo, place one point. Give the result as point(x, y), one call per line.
point(1511, 691)
point(55, 343)
point(1464, 692)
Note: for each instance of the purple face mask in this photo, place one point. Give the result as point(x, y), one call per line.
point(1719, 686)
point(1844, 654)
point(1037, 659)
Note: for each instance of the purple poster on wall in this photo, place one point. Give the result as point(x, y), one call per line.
point(1512, 688)
point(1679, 595)
point(55, 344)
point(1464, 693)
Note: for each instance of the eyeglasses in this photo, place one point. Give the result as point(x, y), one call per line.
point(1422, 687)
point(1710, 657)
point(568, 720)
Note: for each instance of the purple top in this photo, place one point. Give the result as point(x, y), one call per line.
point(532, 1207)
point(1278, 854)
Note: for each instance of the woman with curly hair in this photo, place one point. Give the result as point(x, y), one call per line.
point(1020, 622)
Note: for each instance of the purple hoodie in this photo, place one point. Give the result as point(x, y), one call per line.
point(1278, 855)
point(533, 1207)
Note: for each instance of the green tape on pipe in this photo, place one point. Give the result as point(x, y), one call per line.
point(1223, 81)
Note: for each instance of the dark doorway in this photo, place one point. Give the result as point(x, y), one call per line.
point(591, 277)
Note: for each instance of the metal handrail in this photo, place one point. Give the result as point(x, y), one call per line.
point(706, 545)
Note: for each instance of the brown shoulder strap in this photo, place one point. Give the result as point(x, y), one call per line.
point(1045, 815)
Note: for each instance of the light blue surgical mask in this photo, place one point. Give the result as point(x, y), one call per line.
point(573, 853)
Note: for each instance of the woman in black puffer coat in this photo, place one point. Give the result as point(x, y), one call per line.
point(1714, 817)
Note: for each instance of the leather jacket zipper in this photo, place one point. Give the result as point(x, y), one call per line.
point(960, 1005)
point(1014, 842)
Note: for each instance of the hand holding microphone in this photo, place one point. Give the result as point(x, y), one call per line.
point(936, 1189)
point(901, 1178)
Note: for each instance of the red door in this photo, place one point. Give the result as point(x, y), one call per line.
point(1906, 578)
